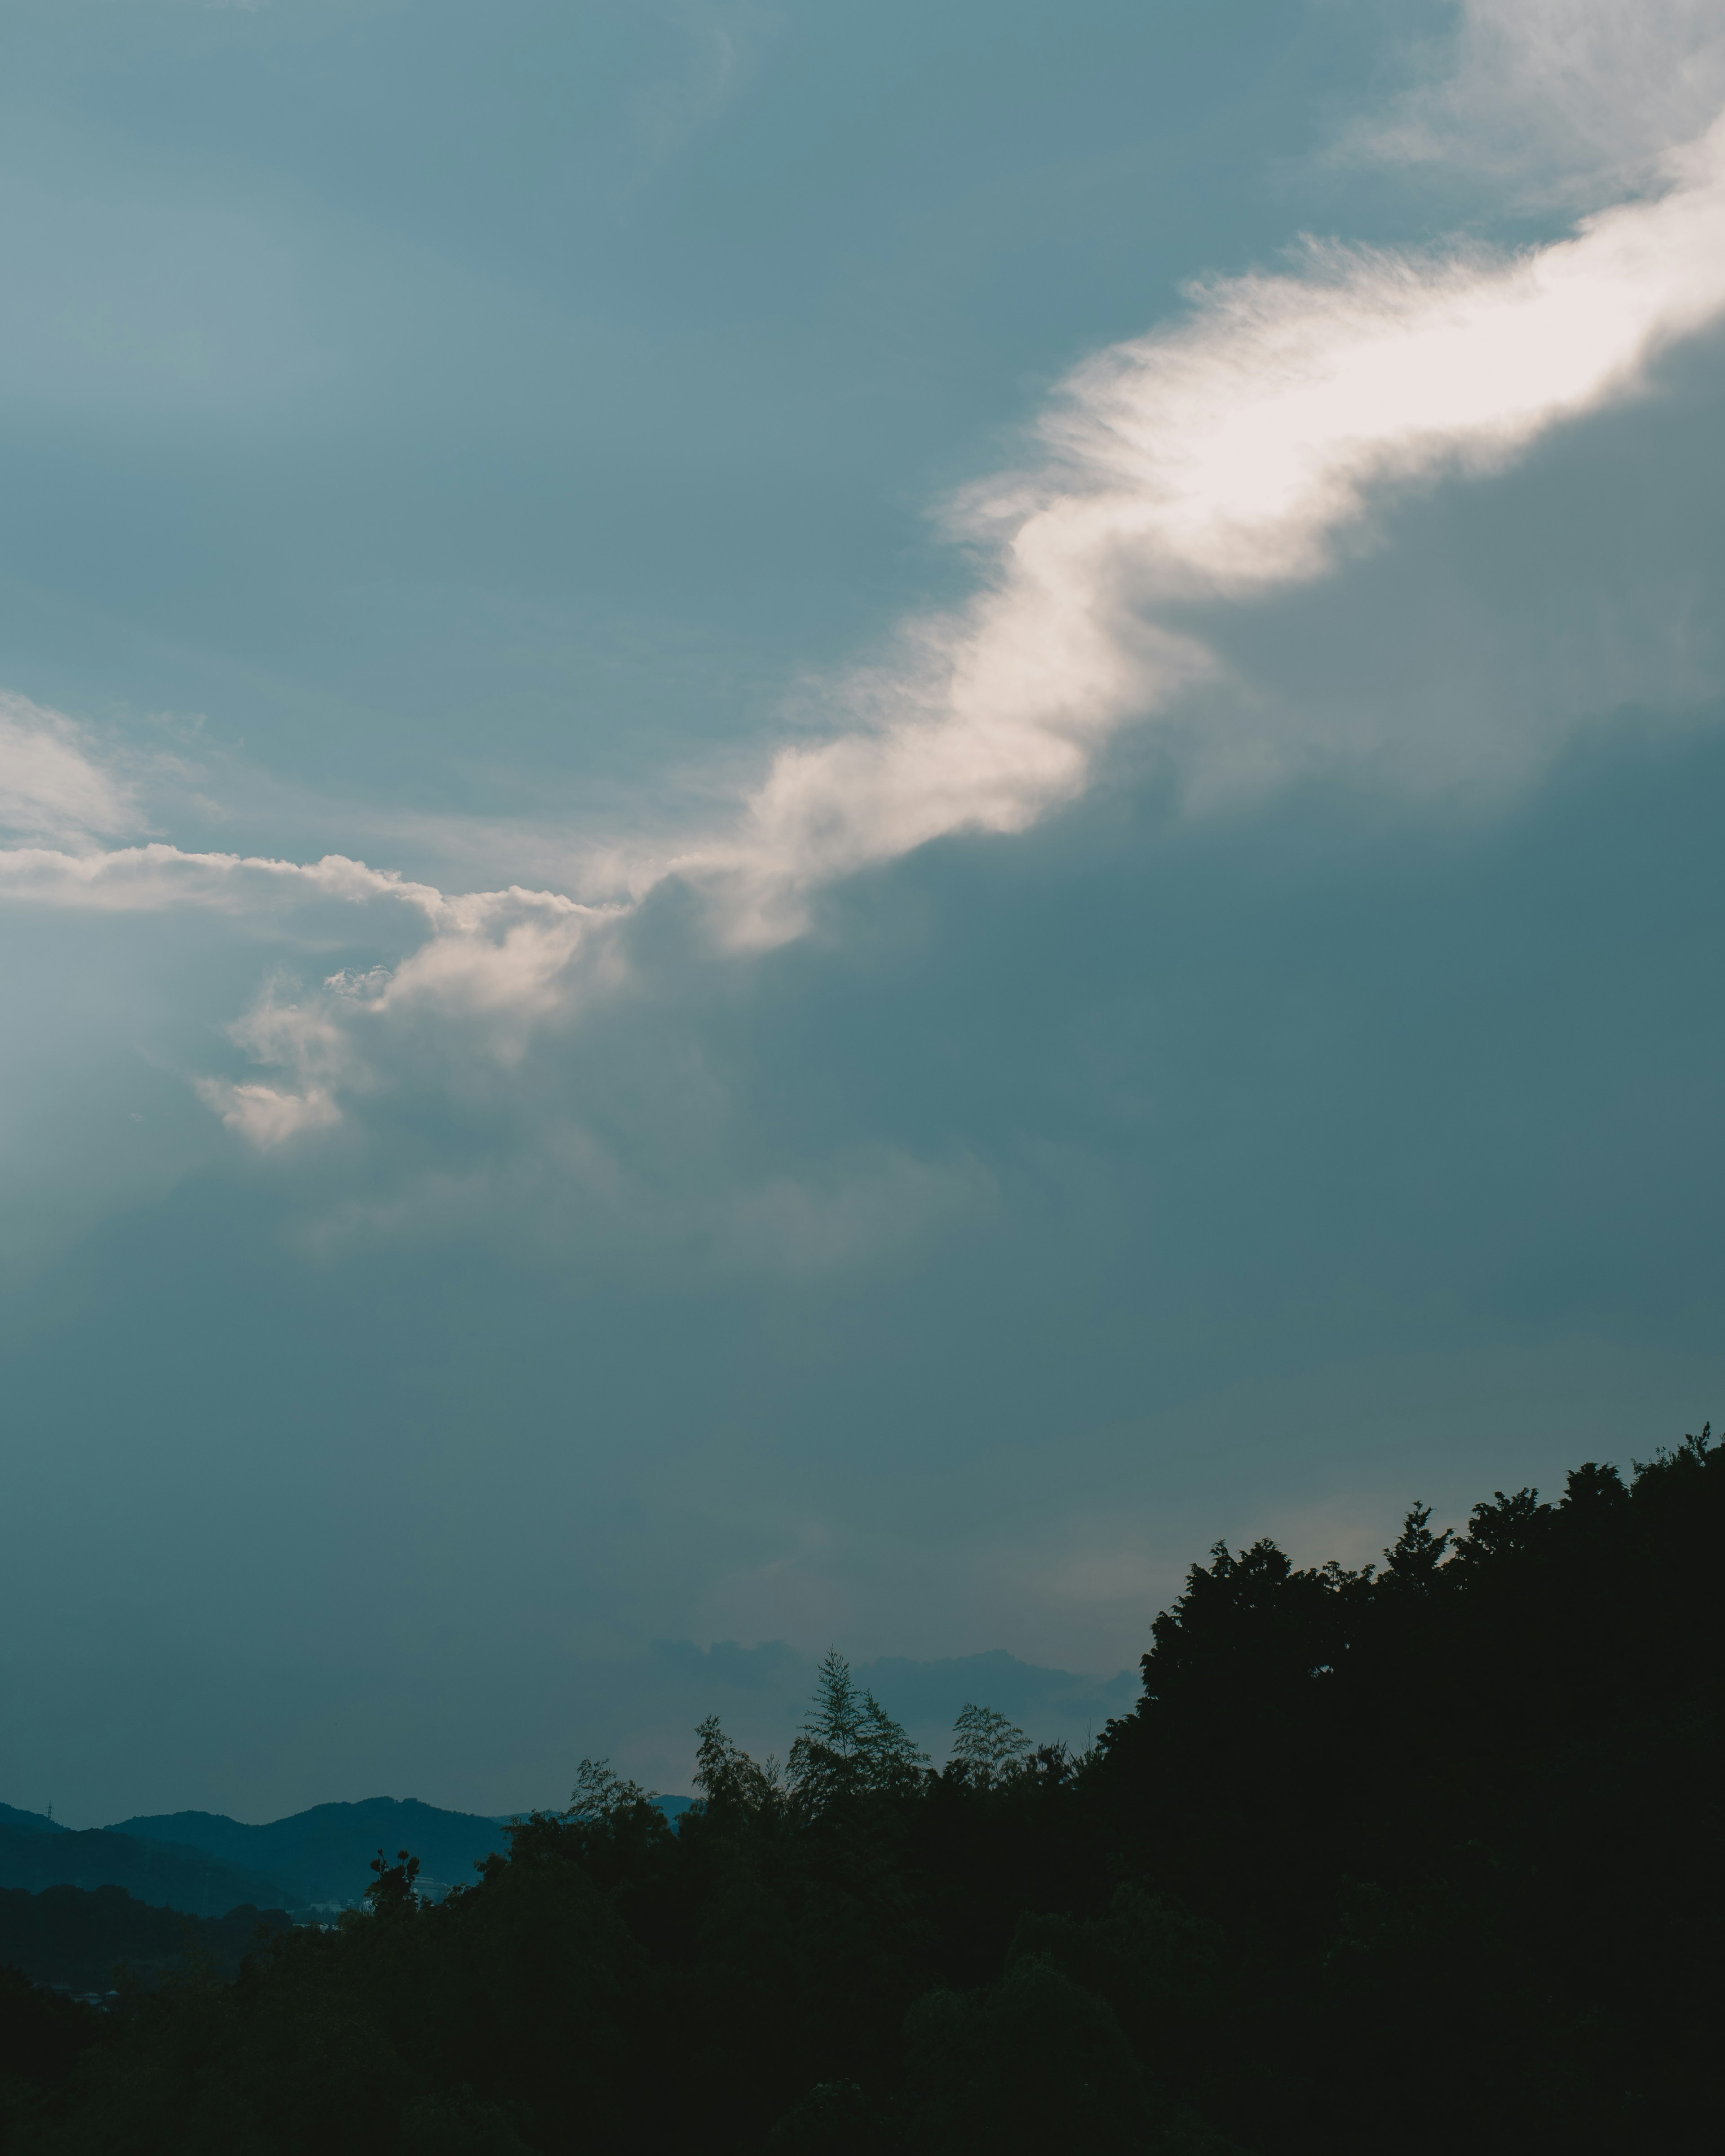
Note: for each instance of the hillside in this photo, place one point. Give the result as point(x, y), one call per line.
point(28, 1822)
point(323, 1855)
point(158, 1873)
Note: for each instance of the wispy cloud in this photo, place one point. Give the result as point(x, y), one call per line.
point(496, 964)
point(52, 783)
point(1222, 459)
point(156, 876)
point(1564, 99)
point(717, 38)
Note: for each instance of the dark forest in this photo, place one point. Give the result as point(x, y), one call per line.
point(1422, 1857)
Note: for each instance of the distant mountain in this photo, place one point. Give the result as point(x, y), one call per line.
point(189, 1879)
point(205, 1864)
point(324, 1855)
point(29, 1822)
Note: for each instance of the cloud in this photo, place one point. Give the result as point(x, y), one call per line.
point(50, 783)
point(1219, 461)
point(278, 1032)
point(266, 1114)
point(501, 961)
point(1181, 479)
point(558, 1181)
point(717, 41)
point(1567, 99)
point(155, 877)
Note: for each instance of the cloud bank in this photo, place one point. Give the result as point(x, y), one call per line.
point(1201, 469)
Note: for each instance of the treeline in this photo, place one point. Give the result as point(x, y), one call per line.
point(1424, 1857)
point(74, 1939)
point(167, 1875)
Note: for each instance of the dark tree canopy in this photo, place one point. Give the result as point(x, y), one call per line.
point(1425, 1856)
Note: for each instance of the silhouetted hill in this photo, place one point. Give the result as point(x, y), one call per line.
point(156, 1872)
point(73, 1937)
point(28, 1822)
point(324, 1855)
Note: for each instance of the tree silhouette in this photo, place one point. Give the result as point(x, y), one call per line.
point(990, 1748)
point(392, 1891)
point(1464, 1808)
point(849, 1747)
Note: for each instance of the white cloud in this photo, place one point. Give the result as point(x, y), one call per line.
point(1223, 460)
point(495, 965)
point(1568, 98)
point(263, 1114)
point(51, 785)
point(307, 1042)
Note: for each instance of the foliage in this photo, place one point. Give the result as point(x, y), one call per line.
point(74, 1937)
point(1462, 1810)
point(990, 1748)
point(601, 1797)
point(731, 1784)
point(850, 1751)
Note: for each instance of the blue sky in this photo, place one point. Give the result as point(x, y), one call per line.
point(820, 823)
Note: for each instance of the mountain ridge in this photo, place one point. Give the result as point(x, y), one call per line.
point(29, 1822)
point(325, 1853)
point(163, 1874)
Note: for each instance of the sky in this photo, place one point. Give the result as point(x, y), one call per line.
point(818, 824)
